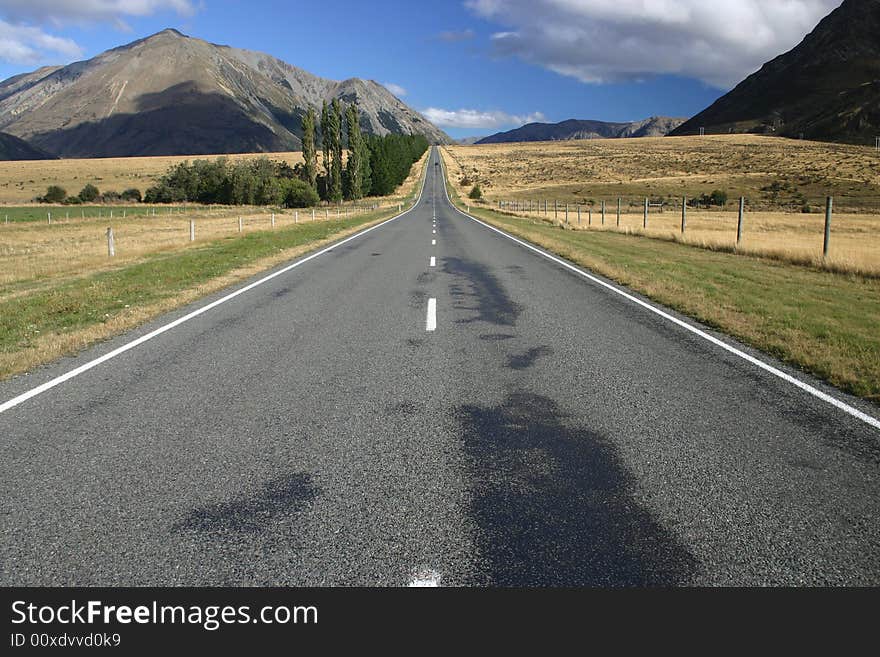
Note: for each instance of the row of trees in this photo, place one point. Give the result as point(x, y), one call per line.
point(374, 166)
point(259, 181)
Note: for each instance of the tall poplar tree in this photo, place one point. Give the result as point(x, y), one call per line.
point(335, 138)
point(310, 154)
point(353, 169)
point(325, 137)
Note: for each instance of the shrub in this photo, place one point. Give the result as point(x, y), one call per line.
point(718, 197)
point(89, 193)
point(132, 195)
point(55, 194)
point(110, 196)
point(73, 200)
point(465, 181)
point(476, 193)
point(297, 193)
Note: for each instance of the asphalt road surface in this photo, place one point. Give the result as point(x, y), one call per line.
point(439, 405)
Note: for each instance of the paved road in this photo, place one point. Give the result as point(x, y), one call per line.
point(548, 432)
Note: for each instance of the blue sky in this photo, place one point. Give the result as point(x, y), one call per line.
point(473, 66)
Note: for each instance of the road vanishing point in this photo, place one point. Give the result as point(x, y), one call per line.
point(431, 402)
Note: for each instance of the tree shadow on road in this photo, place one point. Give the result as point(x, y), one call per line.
point(554, 504)
point(279, 499)
point(476, 281)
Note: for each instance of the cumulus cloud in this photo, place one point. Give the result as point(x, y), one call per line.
point(453, 36)
point(22, 44)
point(478, 119)
point(718, 42)
point(396, 89)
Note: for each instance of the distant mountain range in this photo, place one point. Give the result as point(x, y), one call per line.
point(13, 148)
point(170, 94)
point(827, 88)
point(656, 126)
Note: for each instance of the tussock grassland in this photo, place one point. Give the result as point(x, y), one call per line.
point(779, 178)
point(35, 253)
point(823, 322)
point(673, 166)
point(23, 181)
point(61, 292)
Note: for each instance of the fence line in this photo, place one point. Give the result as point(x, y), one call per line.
point(540, 207)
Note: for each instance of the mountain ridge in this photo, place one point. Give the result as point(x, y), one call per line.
point(170, 94)
point(13, 148)
point(575, 129)
point(826, 88)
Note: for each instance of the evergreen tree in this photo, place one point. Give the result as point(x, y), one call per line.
point(324, 191)
point(335, 138)
point(353, 175)
point(310, 154)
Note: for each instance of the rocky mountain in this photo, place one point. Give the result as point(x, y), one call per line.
point(656, 126)
point(827, 88)
point(13, 148)
point(170, 94)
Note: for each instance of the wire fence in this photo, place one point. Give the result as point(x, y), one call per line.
point(826, 236)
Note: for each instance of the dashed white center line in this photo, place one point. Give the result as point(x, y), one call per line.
point(434, 232)
point(433, 242)
point(431, 321)
point(433, 262)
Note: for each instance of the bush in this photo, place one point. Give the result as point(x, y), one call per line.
point(132, 195)
point(718, 197)
point(55, 194)
point(73, 200)
point(806, 209)
point(298, 194)
point(110, 196)
point(465, 181)
point(476, 193)
point(89, 193)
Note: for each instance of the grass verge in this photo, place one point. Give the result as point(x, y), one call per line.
point(824, 323)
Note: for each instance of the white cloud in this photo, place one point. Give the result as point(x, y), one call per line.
point(396, 89)
point(718, 42)
point(24, 41)
point(59, 12)
point(22, 44)
point(471, 118)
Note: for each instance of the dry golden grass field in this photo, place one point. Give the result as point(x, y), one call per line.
point(35, 255)
point(779, 178)
point(23, 181)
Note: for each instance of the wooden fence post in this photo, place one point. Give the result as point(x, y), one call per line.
point(618, 212)
point(111, 243)
point(645, 222)
point(829, 205)
point(192, 230)
point(739, 222)
point(684, 213)
point(603, 213)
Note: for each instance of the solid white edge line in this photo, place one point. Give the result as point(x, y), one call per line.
point(15, 401)
point(431, 319)
point(806, 387)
